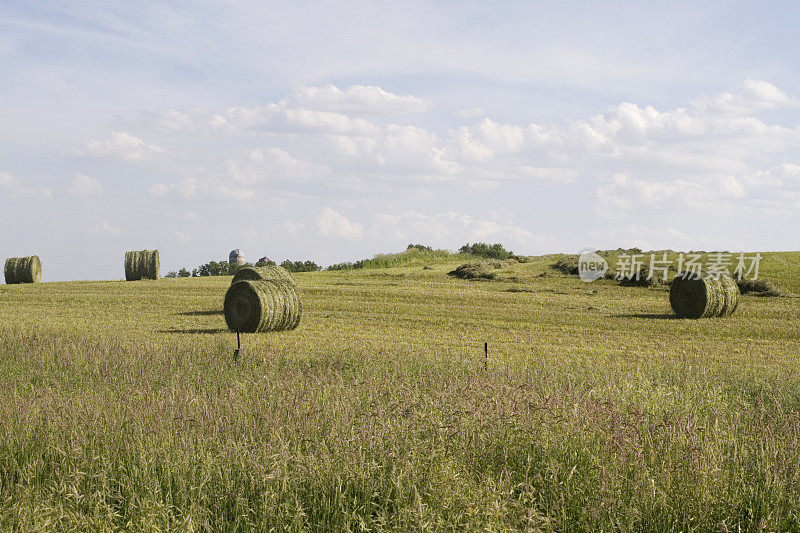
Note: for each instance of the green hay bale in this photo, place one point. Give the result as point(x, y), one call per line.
point(696, 297)
point(262, 305)
point(479, 271)
point(567, 265)
point(760, 287)
point(262, 273)
point(144, 264)
point(23, 270)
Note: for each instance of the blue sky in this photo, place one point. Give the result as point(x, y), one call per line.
point(334, 130)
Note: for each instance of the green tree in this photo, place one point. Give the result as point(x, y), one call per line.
point(300, 266)
point(491, 251)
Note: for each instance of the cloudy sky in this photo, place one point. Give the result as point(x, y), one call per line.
point(334, 130)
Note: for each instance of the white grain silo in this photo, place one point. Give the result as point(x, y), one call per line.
point(236, 257)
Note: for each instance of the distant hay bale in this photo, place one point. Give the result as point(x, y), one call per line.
point(703, 297)
point(477, 271)
point(567, 265)
point(262, 305)
point(760, 287)
point(262, 273)
point(143, 264)
point(23, 270)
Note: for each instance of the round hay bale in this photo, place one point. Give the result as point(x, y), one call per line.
point(23, 270)
point(262, 305)
point(703, 297)
point(144, 264)
point(567, 265)
point(262, 273)
point(731, 296)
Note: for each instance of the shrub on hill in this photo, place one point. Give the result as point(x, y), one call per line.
point(489, 251)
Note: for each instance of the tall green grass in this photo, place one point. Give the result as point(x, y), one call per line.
point(123, 409)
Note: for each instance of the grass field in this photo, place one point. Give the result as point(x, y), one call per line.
point(121, 407)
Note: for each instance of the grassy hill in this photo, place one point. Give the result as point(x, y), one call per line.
point(122, 407)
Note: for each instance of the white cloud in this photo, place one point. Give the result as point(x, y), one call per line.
point(788, 173)
point(120, 145)
point(650, 238)
point(772, 190)
point(358, 99)
point(703, 141)
point(704, 156)
point(12, 187)
point(181, 236)
point(250, 235)
point(281, 117)
point(330, 222)
point(325, 122)
point(490, 229)
point(470, 113)
point(293, 228)
point(327, 110)
point(621, 193)
point(242, 177)
point(411, 150)
point(748, 97)
point(170, 120)
point(194, 189)
point(732, 187)
point(185, 216)
point(104, 228)
point(272, 164)
point(488, 139)
point(83, 185)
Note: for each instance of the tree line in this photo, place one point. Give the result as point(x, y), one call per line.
point(224, 268)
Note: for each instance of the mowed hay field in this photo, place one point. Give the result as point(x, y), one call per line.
point(122, 408)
